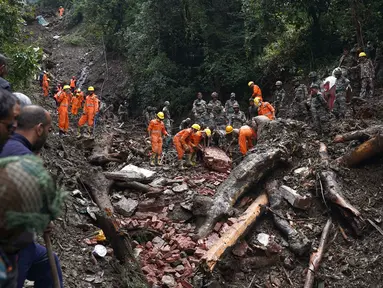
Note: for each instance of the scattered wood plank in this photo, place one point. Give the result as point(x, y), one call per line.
point(149, 190)
point(365, 151)
point(295, 200)
point(249, 172)
point(298, 242)
point(316, 257)
point(361, 135)
point(238, 229)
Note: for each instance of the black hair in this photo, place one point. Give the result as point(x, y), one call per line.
point(7, 101)
point(30, 116)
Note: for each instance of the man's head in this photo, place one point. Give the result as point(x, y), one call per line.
point(34, 123)
point(91, 90)
point(338, 72)
point(250, 84)
point(167, 103)
point(24, 99)
point(232, 96)
point(257, 101)
point(199, 95)
point(66, 89)
point(196, 127)
point(278, 85)
point(251, 101)
point(314, 88)
point(236, 107)
point(214, 95)
point(362, 56)
point(3, 65)
point(160, 116)
point(7, 117)
point(345, 51)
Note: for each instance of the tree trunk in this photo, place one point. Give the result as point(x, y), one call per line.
point(249, 172)
point(362, 135)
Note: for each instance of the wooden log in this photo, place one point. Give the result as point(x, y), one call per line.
point(365, 151)
point(149, 190)
point(231, 236)
point(317, 256)
point(94, 181)
point(333, 193)
point(298, 242)
point(249, 172)
point(295, 200)
point(361, 135)
point(129, 268)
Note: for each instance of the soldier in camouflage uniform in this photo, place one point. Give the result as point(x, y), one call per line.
point(229, 105)
point(299, 105)
point(367, 75)
point(168, 120)
point(279, 96)
point(319, 110)
point(199, 106)
point(186, 123)
point(149, 114)
point(314, 79)
point(207, 118)
point(220, 123)
point(342, 84)
point(238, 119)
point(346, 62)
point(216, 103)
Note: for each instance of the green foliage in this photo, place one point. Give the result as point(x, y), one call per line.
point(24, 59)
point(74, 39)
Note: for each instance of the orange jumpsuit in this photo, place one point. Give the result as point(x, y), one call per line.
point(157, 130)
point(267, 110)
point(90, 110)
point(75, 104)
point(181, 140)
point(63, 100)
point(245, 139)
point(257, 92)
point(45, 85)
point(72, 84)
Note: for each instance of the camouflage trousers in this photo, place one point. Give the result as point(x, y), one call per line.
point(321, 121)
point(299, 111)
point(367, 82)
point(339, 109)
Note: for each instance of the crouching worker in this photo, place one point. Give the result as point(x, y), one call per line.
point(246, 137)
point(199, 141)
point(156, 131)
point(182, 142)
point(29, 201)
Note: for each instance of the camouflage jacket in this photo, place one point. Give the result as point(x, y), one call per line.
point(347, 61)
point(318, 103)
point(166, 112)
point(202, 105)
point(207, 120)
point(279, 96)
point(342, 84)
point(215, 104)
point(237, 120)
point(300, 93)
point(229, 106)
point(367, 69)
point(220, 121)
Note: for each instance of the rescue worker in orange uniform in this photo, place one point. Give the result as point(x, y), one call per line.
point(256, 90)
point(45, 84)
point(182, 141)
point(80, 96)
point(264, 108)
point(61, 11)
point(63, 100)
point(156, 131)
point(89, 112)
point(198, 148)
point(76, 102)
point(73, 83)
point(246, 137)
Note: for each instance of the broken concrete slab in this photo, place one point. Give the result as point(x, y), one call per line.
point(180, 188)
point(132, 173)
point(158, 242)
point(126, 207)
point(169, 281)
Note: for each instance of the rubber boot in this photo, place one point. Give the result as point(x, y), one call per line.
point(181, 164)
point(193, 159)
point(90, 131)
point(61, 133)
point(153, 160)
point(188, 160)
point(159, 160)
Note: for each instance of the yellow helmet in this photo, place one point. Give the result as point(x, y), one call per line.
point(250, 83)
point(208, 132)
point(91, 88)
point(229, 129)
point(66, 87)
point(256, 101)
point(362, 54)
point(161, 115)
point(196, 127)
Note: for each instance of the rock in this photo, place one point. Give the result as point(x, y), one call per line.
point(216, 159)
point(240, 249)
point(199, 181)
point(126, 207)
point(201, 205)
point(169, 281)
point(169, 192)
point(158, 182)
point(158, 242)
point(132, 173)
point(180, 188)
point(187, 206)
point(180, 214)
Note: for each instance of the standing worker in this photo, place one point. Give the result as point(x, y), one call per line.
point(45, 84)
point(367, 75)
point(246, 137)
point(265, 108)
point(182, 141)
point(256, 90)
point(91, 108)
point(279, 96)
point(76, 103)
point(229, 105)
point(319, 110)
point(73, 83)
point(156, 131)
point(342, 86)
point(253, 110)
point(63, 100)
point(299, 105)
point(238, 118)
point(215, 103)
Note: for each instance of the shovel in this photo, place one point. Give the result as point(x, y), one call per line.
point(52, 261)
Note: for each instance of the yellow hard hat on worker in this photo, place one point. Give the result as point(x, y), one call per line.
point(196, 127)
point(362, 54)
point(90, 88)
point(250, 83)
point(161, 115)
point(208, 132)
point(66, 87)
point(229, 129)
point(257, 100)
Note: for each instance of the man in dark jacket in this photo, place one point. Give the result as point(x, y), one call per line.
point(4, 84)
point(7, 116)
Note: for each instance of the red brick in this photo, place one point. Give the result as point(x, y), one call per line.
point(217, 226)
point(166, 248)
point(199, 253)
point(149, 245)
point(154, 218)
point(148, 270)
point(160, 225)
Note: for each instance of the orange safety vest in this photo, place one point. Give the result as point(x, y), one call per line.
point(157, 127)
point(257, 92)
point(72, 83)
point(185, 135)
point(267, 110)
point(91, 104)
point(196, 138)
point(63, 99)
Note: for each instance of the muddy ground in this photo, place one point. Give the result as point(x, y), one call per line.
point(349, 262)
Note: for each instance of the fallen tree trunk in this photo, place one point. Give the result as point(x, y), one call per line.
point(333, 193)
point(366, 151)
point(128, 266)
point(298, 242)
point(361, 135)
point(98, 186)
point(249, 172)
point(230, 238)
point(101, 152)
point(317, 256)
point(149, 190)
